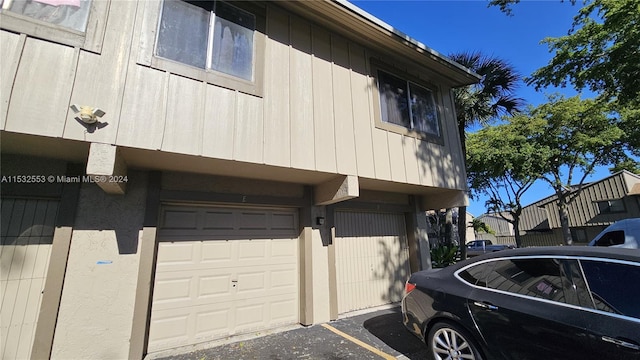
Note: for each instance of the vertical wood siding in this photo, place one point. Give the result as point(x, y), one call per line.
point(42, 88)
point(372, 259)
point(323, 102)
point(316, 112)
point(303, 144)
point(277, 129)
point(100, 78)
point(27, 235)
point(143, 112)
point(362, 111)
point(11, 49)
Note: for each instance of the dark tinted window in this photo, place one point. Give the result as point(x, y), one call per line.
point(575, 288)
point(615, 287)
point(539, 278)
point(611, 238)
point(477, 275)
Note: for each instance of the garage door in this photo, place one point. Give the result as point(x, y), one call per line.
point(372, 259)
point(221, 272)
point(27, 235)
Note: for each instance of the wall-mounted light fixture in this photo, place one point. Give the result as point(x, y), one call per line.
point(87, 114)
point(319, 220)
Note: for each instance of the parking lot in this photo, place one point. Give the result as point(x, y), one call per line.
point(372, 335)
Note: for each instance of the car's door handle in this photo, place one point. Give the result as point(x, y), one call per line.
point(621, 343)
point(485, 306)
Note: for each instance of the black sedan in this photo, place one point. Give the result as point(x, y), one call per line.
point(534, 303)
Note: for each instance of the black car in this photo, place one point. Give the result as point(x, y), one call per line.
point(534, 303)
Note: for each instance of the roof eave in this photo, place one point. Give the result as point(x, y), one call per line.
point(375, 31)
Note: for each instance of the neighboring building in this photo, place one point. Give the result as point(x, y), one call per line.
point(178, 172)
point(600, 204)
point(502, 230)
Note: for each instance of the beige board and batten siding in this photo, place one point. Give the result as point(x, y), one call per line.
point(223, 271)
point(315, 110)
point(27, 234)
point(372, 259)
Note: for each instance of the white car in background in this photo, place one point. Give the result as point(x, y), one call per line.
point(623, 234)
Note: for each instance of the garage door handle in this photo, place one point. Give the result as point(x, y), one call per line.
point(234, 282)
point(485, 306)
point(621, 343)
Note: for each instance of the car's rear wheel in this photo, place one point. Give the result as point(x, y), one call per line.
point(449, 341)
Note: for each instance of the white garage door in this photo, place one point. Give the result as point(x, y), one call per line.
point(27, 235)
point(221, 272)
point(372, 259)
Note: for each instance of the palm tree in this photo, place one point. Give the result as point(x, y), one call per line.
point(480, 226)
point(476, 104)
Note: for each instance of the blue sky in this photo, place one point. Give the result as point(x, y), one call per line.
point(454, 26)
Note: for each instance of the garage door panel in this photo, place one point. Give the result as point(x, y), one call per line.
point(215, 286)
point(252, 221)
point(216, 251)
point(284, 221)
point(169, 328)
point(218, 220)
point(180, 219)
point(175, 253)
point(371, 259)
point(226, 283)
point(172, 290)
point(210, 323)
point(27, 229)
point(282, 250)
point(193, 289)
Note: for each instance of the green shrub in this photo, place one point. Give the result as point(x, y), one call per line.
point(444, 255)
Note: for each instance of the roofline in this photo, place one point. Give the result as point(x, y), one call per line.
point(384, 26)
point(348, 20)
point(553, 197)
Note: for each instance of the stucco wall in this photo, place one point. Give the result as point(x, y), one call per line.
point(97, 303)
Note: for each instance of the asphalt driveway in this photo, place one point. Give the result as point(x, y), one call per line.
point(373, 335)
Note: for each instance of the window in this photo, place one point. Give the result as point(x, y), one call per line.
point(614, 286)
point(579, 235)
point(539, 278)
point(71, 14)
point(408, 104)
point(477, 275)
point(77, 23)
point(611, 238)
point(211, 35)
point(611, 206)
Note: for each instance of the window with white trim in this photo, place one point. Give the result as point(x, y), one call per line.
point(408, 104)
point(210, 35)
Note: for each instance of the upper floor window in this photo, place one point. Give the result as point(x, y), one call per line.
point(611, 206)
point(70, 14)
point(407, 104)
point(208, 35)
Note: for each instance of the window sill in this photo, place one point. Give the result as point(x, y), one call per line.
point(410, 133)
point(208, 76)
